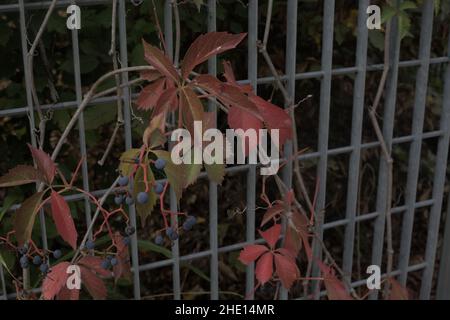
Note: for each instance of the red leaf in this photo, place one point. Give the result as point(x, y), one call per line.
point(335, 288)
point(231, 79)
point(264, 268)
point(286, 269)
point(160, 61)
point(55, 280)
point(300, 223)
point(274, 118)
point(251, 253)
point(68, 294)
point(206, 46)
point(44, 163)
point(20, 175)
point(240, 119)
point(93, 284)
point(123, 267)
point(94, 264)
point(292, 242)
point(63, 219)
point(150, 95)
point(150, 75)
point(166, 101)
point(229, 95)
point(398, 292)
point(272, 213)
point(271, 235)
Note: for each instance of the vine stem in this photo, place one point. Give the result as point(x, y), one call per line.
point(94, 219)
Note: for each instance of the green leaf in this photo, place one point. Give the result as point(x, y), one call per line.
point(147, 246)
point(7, 203)
point(404, 25)
point(150, 246)
point(127, 161)
point(198, 4)
point(3, 263)
point(20, 175)
point(387, 13)
point(407, 5)
point(216, 172)
point(25, 216)
point(144, 210)
point(437, 6)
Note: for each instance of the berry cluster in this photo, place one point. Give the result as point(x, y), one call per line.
point(141, 197)
point(37, 260)
point(111, 260)
point(172, 233)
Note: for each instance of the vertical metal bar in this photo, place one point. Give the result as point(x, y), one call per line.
point(426, 34)
point(388, 128)
point(28, 84)
point(357, 123)
point(443, 283)
point(438, 189)
point(324, 119)
point(128, 140)
point(81, 129)
point(168, 34)
point(252, 72)
point(291, 51)
point(213, 213)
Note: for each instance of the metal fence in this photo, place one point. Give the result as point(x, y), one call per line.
point(353, 149)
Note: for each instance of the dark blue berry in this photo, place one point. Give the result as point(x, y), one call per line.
point(109, 258)
point(105, 264)
point(90, 245)
point(114, 261)
point(118, 199)
point(123, 181)
point(159, 188)
point(57, 254)
point(129, 200)
point(126, 241)
point(160, 164)
point(191, 220)
point(159, 240)
point(24, 264)
point(37, 260)
point(43, 267)
point(129, 230)
point(142, 197)
point(173, 236)
point(23, 259)
point(187, 226)
point(23, 249)
point(169, 231)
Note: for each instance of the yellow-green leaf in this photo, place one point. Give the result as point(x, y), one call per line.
point(127, 161)
point(216, 172)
